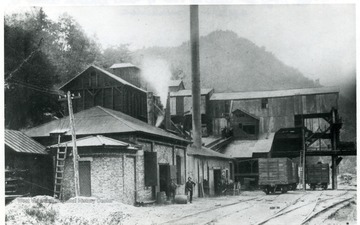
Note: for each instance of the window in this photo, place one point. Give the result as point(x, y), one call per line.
point(250, 129)
point(264, 103)
point(92, 80)
point(240, 126)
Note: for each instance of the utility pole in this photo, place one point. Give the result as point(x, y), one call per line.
point(69, 97)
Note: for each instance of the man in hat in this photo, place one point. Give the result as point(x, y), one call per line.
point(189, 187)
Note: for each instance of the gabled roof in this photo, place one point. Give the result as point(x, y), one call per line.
point(94, 141)
point(19, 142)
point(247, 113)
point(273, 94)
point(175, 83)
point(246, 148)
point(100, 120)
point(122, 65)
point(113, 76)
point(186, 93)
point(205, 152)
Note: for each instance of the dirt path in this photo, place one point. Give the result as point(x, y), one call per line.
point(254, 208)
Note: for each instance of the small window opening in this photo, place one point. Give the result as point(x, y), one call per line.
point(264, 103)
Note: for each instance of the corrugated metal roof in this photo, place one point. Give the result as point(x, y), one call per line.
point(122, 65)
point(273, 94)
point(19, 142)
point(93, 141)
point(246, 148)
point(99, 120)
point(188, 92)
point(205, 152)
point(108, 74)
point(174, 83)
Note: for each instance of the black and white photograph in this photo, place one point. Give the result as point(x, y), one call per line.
point(182, 113)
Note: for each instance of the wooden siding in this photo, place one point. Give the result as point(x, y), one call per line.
point(96, 88)
point(276, 171)
point(279, 112)
point(130, 74)
point(239, 121)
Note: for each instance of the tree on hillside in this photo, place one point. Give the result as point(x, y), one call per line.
point(114, 54)
point(29, 75)
point(230, 63)
point(39, 55)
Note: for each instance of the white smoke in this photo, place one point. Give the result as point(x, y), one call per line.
point(157, 73)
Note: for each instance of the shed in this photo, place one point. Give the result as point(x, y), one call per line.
point(26, 162)
point(176, 85)
point(246, 154)
point(207, 169)
point(108, 169)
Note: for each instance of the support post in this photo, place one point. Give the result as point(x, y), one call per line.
point(75, 153)
point(334, 172)
point(303, 157)
point(195, 75)
point(69, 97)
point(334, 158)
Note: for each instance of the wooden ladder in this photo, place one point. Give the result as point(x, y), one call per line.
point(59, 171)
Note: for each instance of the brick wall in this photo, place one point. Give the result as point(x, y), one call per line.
point(164, 153)
point(107, 178)
point(144, 193)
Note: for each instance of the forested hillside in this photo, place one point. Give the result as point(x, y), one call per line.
point(41, 54)
point(229, 63)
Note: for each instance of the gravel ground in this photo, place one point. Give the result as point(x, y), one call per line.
point(248, 207)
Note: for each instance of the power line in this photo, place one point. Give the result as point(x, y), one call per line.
point(34, 87)
point(25, 61)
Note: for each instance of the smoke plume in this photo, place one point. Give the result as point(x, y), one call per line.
point(157, 73)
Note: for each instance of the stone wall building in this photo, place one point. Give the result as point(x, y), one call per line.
point(160, 156)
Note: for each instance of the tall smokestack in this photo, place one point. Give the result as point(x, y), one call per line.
point(195, 75)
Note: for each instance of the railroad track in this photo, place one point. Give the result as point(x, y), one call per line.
point(196, 214)
point(320, 206)
point(283, 210)
point(326, 208)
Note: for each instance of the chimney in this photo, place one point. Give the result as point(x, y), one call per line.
point(195, 75)
point(150, 109)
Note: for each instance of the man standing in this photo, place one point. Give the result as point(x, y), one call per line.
point(189, 187)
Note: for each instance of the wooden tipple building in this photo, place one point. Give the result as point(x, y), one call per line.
point(269, 124)
point(119, 90)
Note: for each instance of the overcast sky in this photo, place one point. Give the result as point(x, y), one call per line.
point(319, 40)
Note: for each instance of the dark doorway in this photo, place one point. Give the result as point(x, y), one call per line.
point(85, 178)
point(164, 174)
point(178, 169)
point(217, 181)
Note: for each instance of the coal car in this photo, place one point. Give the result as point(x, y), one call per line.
point(277, 174)
point(317, 175)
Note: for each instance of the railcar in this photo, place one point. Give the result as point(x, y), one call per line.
point(317, 175)
point(277, 174)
